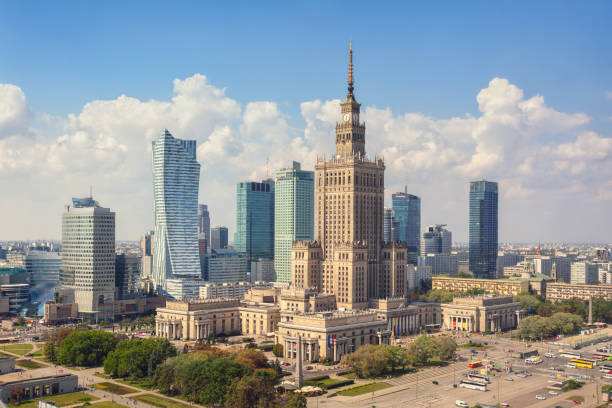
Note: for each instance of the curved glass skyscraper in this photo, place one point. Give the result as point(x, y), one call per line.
point(176, 177)
point(483, 228)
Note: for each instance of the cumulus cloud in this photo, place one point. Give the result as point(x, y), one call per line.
point(533, 150)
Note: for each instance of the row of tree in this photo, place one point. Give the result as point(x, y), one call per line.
point(539, 327)
point(371, 361)
point(602, 309)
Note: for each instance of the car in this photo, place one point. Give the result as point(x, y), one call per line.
point(509, 378)
point(309, 367)
point(540, 397)
point(504, 404)
point(553, 393)
point(434, 382)
point(576, 402)
point(462, 404)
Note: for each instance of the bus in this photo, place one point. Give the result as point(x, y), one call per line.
point(583, 363)
point(479, 378)
point(605, 367)
point(599, 356)
point(473, 385)
point(474, 364)
point(569, 354)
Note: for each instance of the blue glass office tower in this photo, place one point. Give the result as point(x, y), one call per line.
point(407, 215)
point(483, 228)
point(254, 234)
point(176, 177)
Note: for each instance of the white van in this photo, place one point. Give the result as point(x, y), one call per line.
point(462, 404)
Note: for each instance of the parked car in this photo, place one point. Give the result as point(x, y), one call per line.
point(434, 382)
point(509, 378)
point(462, 404)
point(540, 397)
point(553, 393)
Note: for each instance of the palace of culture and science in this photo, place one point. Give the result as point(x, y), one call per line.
point(348, 258)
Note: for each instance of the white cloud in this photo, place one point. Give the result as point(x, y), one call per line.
point(45, 160)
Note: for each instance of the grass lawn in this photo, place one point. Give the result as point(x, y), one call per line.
point(29, 364)
point(364, 389)
point(351, 375)
point(144, 384)
point(38, 353)
point(60, 400)
point(157, 401)
point(107, 404)
point(114, 388)
point(20, 349)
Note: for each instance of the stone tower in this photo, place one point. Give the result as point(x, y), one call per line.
point(349, 206)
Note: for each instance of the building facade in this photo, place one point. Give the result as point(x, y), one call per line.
point(557, 291)
point(483, 233)
point(390, 226)
point(197, 319)
point(176, 177)
point(436, 240)
point(43, 267)
point(88, 258)
point(262, 270)
point(204, 222)
point(255, 219)
point(225, 265)
point(293, 215)
point(441, 264)
point(128, 269)
point(407, 214)
point(485, 313)
point(219, 238)
point(585, 273)
point(498, 286)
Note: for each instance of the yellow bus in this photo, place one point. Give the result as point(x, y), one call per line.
point(583, 363)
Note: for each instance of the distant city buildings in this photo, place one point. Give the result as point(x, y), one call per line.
point(219, 238)
point(483, 228)
point(391, 226)
point(225, 265)
point(407, 214)
point(176, 175)
point(204, 222)
point(436, 240)
point(262, 270)
point(293, 215)
point(128, 270)
point(88, 258)
point(585, 273)
point(254, 234)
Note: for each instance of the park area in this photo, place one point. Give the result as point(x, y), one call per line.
point(364, 389)
point(157, 401)
point(114, 388)
point(20, 349)
point(29, 364)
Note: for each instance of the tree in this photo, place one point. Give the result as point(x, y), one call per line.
point(86, 348)
point(296, 400)
point(422, 349)
point(464, 274)
point(254, 391)
point(446, 347)
point(278, 350)
point(251, 357)
point(529, 302)
point(367, 361)
point(21, 321)
point(395, 356)
point(49, 351)
point(138, 358)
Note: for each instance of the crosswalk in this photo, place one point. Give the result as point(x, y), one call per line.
point(426, 375)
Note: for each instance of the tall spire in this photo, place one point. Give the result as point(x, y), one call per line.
point(350, 78)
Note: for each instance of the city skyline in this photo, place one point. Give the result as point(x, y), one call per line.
point(543, 146)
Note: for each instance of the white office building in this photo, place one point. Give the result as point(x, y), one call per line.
point(440, 264)
point(176, 176)
point(584, 273)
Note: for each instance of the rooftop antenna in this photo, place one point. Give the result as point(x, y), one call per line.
point(405, 189)
point(267, 167)
point(90, 191)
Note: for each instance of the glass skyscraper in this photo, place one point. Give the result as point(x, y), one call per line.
point(483, 228)
point(176, 177)
point(255, 219)
point(407, 215)
point(293, 215)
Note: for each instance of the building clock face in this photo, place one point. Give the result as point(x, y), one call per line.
point(346, 117)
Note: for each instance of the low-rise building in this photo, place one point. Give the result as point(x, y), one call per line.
point(7, 365)
point(497, 286)
point(557, 291)
point(26, 389)
point(403, 319)
point(259, 318)
point(197, 319)
point(228, 289)
point(482, 313)
point(327, 336)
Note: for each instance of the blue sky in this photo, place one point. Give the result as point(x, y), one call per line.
point(515, 91)
point(416, 57)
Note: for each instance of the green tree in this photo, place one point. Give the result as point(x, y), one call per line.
point(49, 351)
point(532, 327)
point(86, 348)
point(277, 350)
point(422, 349)
point(368, 361)
point(138, 358)
point(446, 347)
point(21, 321)
point(463, 274)
point(296, 400)
point(529, 302)
point(253, 391)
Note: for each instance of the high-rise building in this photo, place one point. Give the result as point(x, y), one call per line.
point(507, 259)
point(407, 214)
point(440, 263)
point(176, 176)
point(204, 222)
point(225, 265)
point(390, 226)
point(293, 215)
point(436, 240)
point(147, 243)
point(127, 275)
point(483, 228)
point(255, 219)
point(262, 270)
point(348, 258)
point(88, 258)
point(43, 268)
point(218, 238)
point(585, 273)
